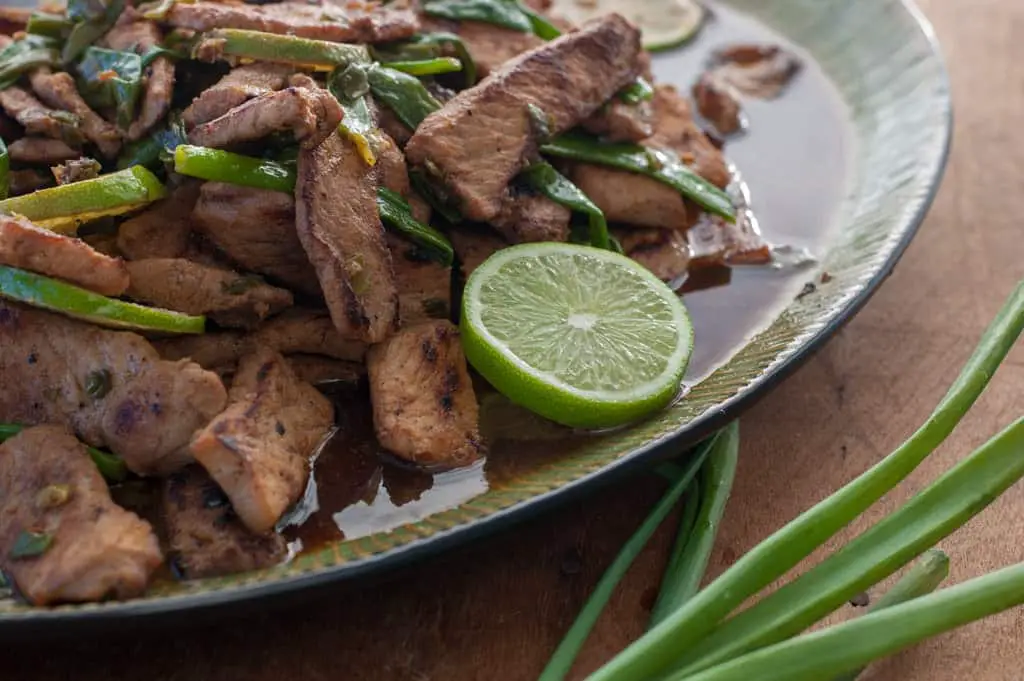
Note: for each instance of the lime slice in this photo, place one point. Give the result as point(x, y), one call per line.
point(58, 296)
point(664, 23)
point(63, 208)
point(584, 337)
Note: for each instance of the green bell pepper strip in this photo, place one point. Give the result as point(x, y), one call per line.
point(426, 67)
point(49, 25)
point(64, 208)
point(283, 49)
point(350, 85)
point(58, 296)
point(497, 12)
point(111, 466)
point(111, 79)
point(396, 213)
point(21, 56)
point(403, 94)
point(93, 19)
point(427, 46)
point(216, 165)
point(545, 179)
point(540, 26)
point(657, 164)
point(148, 150)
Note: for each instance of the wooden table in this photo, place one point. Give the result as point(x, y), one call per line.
point(494, 611)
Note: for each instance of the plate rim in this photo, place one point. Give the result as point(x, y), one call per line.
point(70, 619)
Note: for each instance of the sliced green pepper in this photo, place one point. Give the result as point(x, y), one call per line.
point(50, 25)
point(657, 164)
point(497, 12)
point(282, 48)
point(64, 208)
point(426, 67)
point(111, 466)
point(58, 296)
point(93, 19)
point(427, 46)
point(403, 94)
point(545, 179)
point(396, 213)
point(216, 165)
point(148, 150)
point(111, 79)
point(21, 56)
point(541, 27)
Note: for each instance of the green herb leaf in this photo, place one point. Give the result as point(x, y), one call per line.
point(27, 54)
point(94, 18)
point(545, 179)
point(396, 213)
point(109, 78)
point(30, 544)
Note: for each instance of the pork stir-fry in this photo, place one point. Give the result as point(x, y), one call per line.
point(212, 210)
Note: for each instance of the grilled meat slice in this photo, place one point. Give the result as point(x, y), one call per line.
point(489, 45)
point(162, 230)
point(323, 20)
point(89, 548)
point(28, 247)
point(58, 91)
point(255, 228)
point(674, 129)
point(345, 239)
point(76, 170)
point(631, 198)
point(312, 114)
point(41, 150)
point(206, 537)
point(37, 119)
point(134, 34)
point(109, 387)
point(485, 135)
point(715, 242)
point(218, 352)
point(316, 369)
point(237, 87)
point(257, 449)
point(424, 407)
point(424, 285)
point(719, 104)
point(473, 246)
point(619, 121)
point(228, 298)
point(664, 252)
point(532, 217)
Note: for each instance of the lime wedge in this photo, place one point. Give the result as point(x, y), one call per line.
point(58, 296)
point(584, 337)
point(64, 208)
point(664, 24)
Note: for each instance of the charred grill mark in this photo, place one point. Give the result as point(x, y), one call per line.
point(127, 417)
point(429, 351)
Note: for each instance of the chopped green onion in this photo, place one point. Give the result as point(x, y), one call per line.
point(693, 545)
point(395, 212)
point(426, 67)
point(655, 652)
point(657, 164)
point(564, 656)
point(217, 165)
point(545, 179)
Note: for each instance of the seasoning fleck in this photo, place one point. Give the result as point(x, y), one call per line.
point(30, 544)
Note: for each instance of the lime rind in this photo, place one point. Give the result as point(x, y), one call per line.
point(58, 296)
point(664, 24)
point(605, 322)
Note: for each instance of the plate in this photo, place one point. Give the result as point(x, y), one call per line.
point(844, 166)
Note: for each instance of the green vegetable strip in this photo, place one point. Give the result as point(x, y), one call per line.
point(111, 466)
point(403, 94)
point(656, 164)
point(133, 186)
point(545, 179)
point(461, 51)
point(637, 92)
point(395, 212)
point(693, 546)
point(27, 54)
point(949, 502)
point(147, 151)
point(850, 645)
point(564, 656)
point(216, 165)
point(96, 18)
point(426, 67)
point(540, 26)
point(430, 194)
point(5, 170)
point(507, 14)
point(922, 579)
point(657, 649)
point(349, 85)
point(102, 90)
point(286, 49)
point(50, 25)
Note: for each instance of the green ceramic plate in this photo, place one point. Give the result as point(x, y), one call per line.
point(845, 166)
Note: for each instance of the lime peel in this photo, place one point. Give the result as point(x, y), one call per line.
point(582, 336)
point(663, 24)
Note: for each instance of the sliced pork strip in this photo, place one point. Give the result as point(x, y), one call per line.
point(110, 387)
point(485, 135)
point(424, 407)
point(228, 298)
point(619, 121)
point(38, 119)
point(715, 242)
point(335, 22)
point(316, 369)
point(345, 239)
point(664, 252)
point(237, 87)
point(134, 34)
point(255, 228)
point(33, 248)
point(49, 486)
point(41, 150)
point(424, 285)
point(58, 91)
point(258, 449)
point(674, 128)
point(308, 331)
point(205, 536)
point(162, 230)
point(631, 198)
point(532, 217)
point(312, 114)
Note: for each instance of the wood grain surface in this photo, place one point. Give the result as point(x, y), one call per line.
point(495, 610)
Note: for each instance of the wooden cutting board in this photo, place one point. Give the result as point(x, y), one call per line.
point(494, 611)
